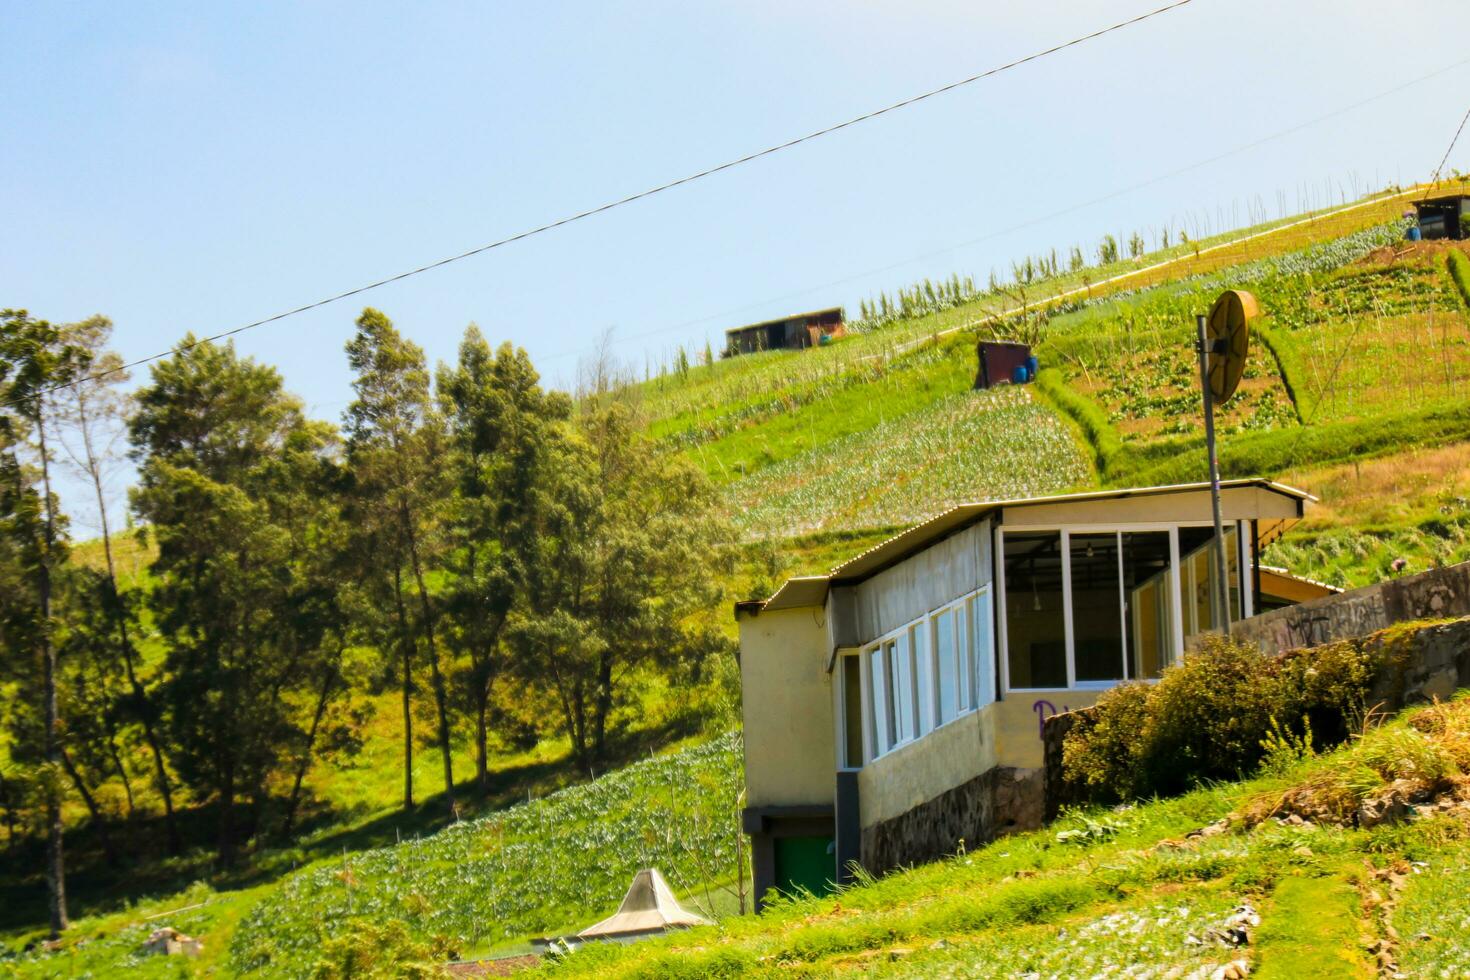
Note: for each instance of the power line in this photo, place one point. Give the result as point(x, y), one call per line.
point(1450, 149)
point(1030, 223)
point(643, 194)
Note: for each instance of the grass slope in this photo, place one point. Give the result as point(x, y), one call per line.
point(1148, 890)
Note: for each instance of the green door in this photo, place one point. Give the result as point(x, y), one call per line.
point(805, 863)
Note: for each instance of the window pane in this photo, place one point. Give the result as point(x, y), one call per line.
point(964, 654)
point(944, 652)
point(1036, 643)
point(881, 725)
point(1097, 623)
point(1201, 596)
point(852, 705)
point(901, 683)
point(1149, 602)
point(981, 666)
point(923, 679)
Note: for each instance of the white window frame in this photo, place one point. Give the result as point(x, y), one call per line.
point(1176, 613)
point(881, 722)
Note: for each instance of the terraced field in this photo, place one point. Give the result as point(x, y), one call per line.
point(984, 445)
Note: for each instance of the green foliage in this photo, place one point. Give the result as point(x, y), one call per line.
point(368, 951)
point(1217, 715)
point(1311, 932)
point(1107, 250)
point(1284, 751)
point(1107, 448)
point(987, 445)
point(1459, 269)
point(555, 863)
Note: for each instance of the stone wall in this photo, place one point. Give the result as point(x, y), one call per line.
point(1439, 593)
point(999, 801)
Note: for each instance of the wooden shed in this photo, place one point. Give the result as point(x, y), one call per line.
point(795, 332)
point(998, 361)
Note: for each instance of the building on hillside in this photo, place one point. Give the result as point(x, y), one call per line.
point(893, 707)
point(796, 332)
point(1003, 362)
point(1444, 217)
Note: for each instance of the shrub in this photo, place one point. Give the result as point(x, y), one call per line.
point(1217, 715)
point(1102, 751)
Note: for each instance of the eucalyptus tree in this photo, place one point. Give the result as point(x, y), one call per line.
point(230, 473)
point(94, 411)
point(625, 556)
point(395, 443)
point(500, 424)
point(34, 360)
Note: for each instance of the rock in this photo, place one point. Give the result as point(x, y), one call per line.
point(1234, 970)
point(168, 941)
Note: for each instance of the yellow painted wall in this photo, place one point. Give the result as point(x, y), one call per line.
point(786, 699)
point(916, 773)
point(1018, 723)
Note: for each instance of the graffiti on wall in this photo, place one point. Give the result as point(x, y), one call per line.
point(1045, 709)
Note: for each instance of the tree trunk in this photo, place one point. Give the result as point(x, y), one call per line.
point(482, 753)
point(227, 817)
point(55, 852)
point(405, 644)
point(104, 833)
point(436, 677)
point(328, 681)
point(602, 704)
point(120, 619)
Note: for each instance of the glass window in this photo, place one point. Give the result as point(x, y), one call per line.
point(1097, 611)
point(981, 661)
point(1148, 602)
point(852, 712)
point(923, 679)
point(901, 685)
point(947, 657)
point(881, 729)
point(1201, 596)
point(1036, 637)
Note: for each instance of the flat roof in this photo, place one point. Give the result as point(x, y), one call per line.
point(811, 590)
point(783, 319)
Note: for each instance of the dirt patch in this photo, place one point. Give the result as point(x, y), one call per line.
point(503, 967)
point(1410, 252)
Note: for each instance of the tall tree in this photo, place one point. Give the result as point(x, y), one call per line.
point(500, 426)
point(94, 411)
point(624, 557)
point(394, 445)
point(34, 359)
point(230, 474)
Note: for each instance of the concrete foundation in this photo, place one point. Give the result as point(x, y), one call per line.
point(1000, 800)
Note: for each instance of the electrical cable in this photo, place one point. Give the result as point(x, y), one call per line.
point(642, 194)
point(1446, 158)
point(1032, 222)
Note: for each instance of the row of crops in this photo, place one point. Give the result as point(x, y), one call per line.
point(1134, 356)
point(551, 864)
point(985, 445)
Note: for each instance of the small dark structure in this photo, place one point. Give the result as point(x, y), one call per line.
point(1444, 217)
point(1003, 362)
point(796, 332)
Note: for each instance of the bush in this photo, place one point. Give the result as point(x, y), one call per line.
point(1214, 715)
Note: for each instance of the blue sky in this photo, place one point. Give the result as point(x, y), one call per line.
point(196, 166)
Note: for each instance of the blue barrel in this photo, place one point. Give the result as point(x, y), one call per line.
point(1018, 374)
point(1032, 366)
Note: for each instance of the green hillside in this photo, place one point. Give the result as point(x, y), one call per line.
point(1355, 391)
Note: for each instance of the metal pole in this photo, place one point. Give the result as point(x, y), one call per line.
point(1222, 588)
